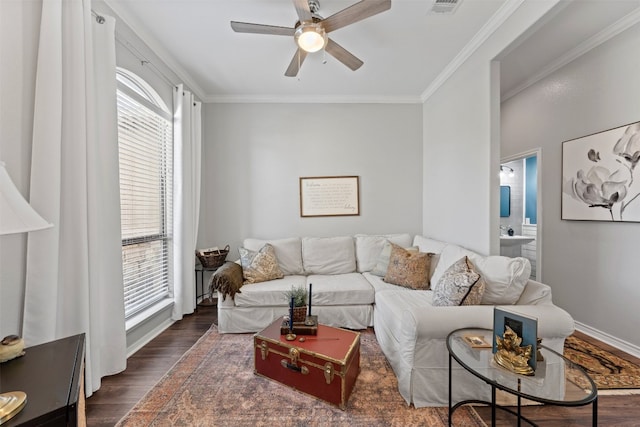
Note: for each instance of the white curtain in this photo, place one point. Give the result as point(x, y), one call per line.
point(187, 130)
point(74, 270)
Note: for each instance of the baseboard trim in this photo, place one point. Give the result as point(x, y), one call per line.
point(146, 338)
point(625, 346)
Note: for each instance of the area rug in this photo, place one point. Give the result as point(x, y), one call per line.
point(607, 370)
point(213, 384)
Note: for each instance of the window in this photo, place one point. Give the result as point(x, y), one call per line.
point(145, 144)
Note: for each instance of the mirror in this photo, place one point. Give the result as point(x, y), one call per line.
point(505, 201)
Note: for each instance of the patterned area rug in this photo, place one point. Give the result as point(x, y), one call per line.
point(213, 384)
point(607, 370)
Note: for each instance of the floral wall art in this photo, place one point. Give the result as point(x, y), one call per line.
point(600, 177)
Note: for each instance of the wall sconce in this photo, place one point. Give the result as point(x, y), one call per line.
point(506, 171)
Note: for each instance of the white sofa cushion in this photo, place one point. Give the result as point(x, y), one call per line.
point(268, 294)
point(535, 293)
point(369, 246)
point(391, 305)
point(288, 251)
point(328, 255)
point(340, 289)
point(379, 284)
point(426, 244)
point(505, 277)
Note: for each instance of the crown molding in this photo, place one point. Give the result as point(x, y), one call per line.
point(311, 99)
point(136, 27)
point(498, 18)
point(591, 43)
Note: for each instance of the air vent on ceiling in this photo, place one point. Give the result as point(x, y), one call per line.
point(444, 6)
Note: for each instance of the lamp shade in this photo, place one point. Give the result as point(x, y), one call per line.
point(310, 37)
point(16, 215)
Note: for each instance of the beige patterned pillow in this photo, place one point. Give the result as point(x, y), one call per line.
point(459, 285)
point(382, 262)
point(259, 266)
point(407, 268)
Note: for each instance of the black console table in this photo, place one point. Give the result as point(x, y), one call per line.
point(51, 375)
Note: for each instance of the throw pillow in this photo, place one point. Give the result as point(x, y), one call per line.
point(505, 277)
point(382, 263)
point(459, 285)
point(259, 266)
point(368, 247)
point(288, 252)
point(408, 269)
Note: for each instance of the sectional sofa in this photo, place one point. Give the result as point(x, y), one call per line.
point(349, 290)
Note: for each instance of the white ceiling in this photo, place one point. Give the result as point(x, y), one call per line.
point(404, 49)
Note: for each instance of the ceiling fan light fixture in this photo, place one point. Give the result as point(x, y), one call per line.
point(310, 37)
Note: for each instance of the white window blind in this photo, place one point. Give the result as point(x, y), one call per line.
point(146, 152)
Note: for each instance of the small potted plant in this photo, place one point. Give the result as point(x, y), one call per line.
point(299, 296)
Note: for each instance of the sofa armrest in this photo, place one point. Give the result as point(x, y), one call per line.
point(432, 322)
point(438, 322)
point(535, 293)
point(227, 280)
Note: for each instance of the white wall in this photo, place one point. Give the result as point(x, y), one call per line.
point(591, 266)
point(19, 32)
point(461, 143)
point(254, 154)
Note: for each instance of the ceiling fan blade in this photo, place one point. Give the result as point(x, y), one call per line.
point(296, 63)
point(357, 12)
point(343, 55)
point(245, 27)
point(303, 10)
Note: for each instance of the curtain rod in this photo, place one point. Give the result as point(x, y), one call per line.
point(135, 52)
point(143, 61)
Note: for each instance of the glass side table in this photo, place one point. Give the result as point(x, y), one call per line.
point(557, 380)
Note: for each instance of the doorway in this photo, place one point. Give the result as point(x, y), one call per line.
point(520, 174)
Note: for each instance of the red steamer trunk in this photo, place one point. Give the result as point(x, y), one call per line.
point(325, 365)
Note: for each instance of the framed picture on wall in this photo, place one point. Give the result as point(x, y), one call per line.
point(329, 196)
point(599, 177)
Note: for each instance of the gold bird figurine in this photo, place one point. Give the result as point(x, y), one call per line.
point(12, 346)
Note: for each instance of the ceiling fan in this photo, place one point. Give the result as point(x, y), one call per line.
point(310, 31)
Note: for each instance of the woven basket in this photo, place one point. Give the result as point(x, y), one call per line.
point(212, 258)
point(299, 313)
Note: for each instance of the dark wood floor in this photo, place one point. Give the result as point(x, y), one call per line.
point(119, 393)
